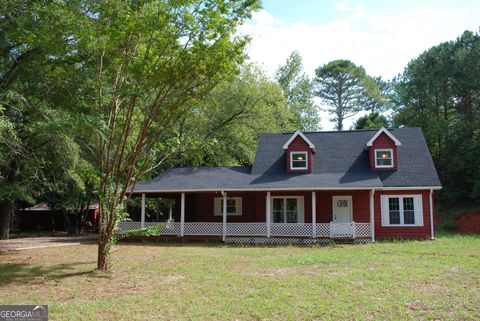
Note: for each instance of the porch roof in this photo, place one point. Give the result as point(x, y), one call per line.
point(239, 178)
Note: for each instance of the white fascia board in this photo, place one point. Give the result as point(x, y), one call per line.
point(299, 133)
point(376, 188)
point(386, 132)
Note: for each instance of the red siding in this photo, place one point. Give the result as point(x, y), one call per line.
point(383, 141)
point(204, 211)
point(414, 232)
point(299, 145)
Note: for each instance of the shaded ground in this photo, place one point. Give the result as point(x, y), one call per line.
point(412, 280)
point(44, 241)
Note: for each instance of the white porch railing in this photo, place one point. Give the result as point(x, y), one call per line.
point(323, 230)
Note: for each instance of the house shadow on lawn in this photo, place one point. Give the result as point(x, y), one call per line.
point(23, 273)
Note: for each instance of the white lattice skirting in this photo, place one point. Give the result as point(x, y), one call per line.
point(300, 231)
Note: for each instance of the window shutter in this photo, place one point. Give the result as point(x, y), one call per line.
point(384, 210)
point(216, 206)
point(418, 204)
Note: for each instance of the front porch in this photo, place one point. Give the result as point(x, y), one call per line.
point(263, 216)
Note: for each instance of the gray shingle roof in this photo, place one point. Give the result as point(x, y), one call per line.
point(341, 161)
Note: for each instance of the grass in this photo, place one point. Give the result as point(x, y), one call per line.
point(409, 280)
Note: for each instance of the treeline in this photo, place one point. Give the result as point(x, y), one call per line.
point(439, 91)
point(63, 70)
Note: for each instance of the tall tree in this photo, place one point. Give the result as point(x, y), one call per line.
point(298, 91)
point(345, 89)
point(156, 59)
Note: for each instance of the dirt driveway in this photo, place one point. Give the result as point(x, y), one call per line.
point(44, 241)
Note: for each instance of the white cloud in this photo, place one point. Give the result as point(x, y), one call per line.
point(341, 5)
point(383, 44)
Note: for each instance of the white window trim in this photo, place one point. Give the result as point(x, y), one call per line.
point(218, 210)
point(417, 206)
point(384, 150)
point(291, 160)
point(300, 208)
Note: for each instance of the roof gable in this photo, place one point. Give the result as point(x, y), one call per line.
point(386, 132)
point(299, 133)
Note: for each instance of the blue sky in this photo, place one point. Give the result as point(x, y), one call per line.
point(382, 36)
point(313, 11)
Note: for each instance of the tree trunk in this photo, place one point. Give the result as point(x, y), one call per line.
point(7, 206)
point(6, 210)
point(102, 262)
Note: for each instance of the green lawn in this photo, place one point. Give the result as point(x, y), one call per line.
point(429, 280)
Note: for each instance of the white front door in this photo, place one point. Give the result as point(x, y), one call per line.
point(342, 209)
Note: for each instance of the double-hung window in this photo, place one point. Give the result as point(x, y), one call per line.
point(384, 158)
point(402, 210)
point(298, 160)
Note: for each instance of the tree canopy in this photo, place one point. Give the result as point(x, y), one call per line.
point(373, 120)
point(298, 91)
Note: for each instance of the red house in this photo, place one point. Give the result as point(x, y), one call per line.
point(304, 188)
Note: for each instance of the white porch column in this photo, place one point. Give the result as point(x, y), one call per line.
point(314, 214)
point(431, 215)
point(372, 215)
point(224, 211)
point(170, 210)
point(142, 216)
point(182, 214)
point(267, 213)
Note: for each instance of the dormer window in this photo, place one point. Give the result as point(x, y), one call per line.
point(299, 152)
point(383, 151)
point(384, 158)
point(299, 160)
